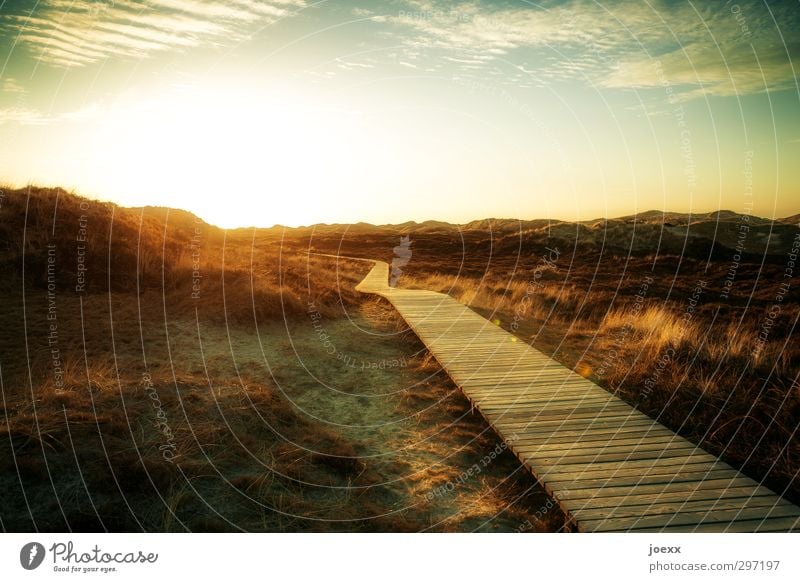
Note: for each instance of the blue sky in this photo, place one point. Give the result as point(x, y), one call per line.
point(295, 112)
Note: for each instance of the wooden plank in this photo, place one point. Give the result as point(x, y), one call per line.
point(566, 411)
point(595, 458)
point(526, 400)
point(531, 430)
point(553, 467)
point(574, 427)
point(691, 518)
point(613, 419)
point(588, 448)
point(534, 396)
point(681, 506)
point(593, 440)
point(521, 373)
point(635, 497)
point(542, 415)
point(617, 489)
point(480, 390)
point(701, 477)
point(529, 401)
point(776, 524)
point(618, 472)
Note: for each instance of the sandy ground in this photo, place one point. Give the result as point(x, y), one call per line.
point(425, 454)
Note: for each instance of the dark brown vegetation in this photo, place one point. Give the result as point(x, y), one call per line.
point(165, 375)
point(691, 319)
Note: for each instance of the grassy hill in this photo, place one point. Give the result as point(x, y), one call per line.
point(160, 374)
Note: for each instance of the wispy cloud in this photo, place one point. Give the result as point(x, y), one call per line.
point(12, 86)
point(740, 49)
point(726, 49)
point(27, 116)
point(21, 115)
point(68, 33)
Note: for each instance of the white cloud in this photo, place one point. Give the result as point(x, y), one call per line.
point(21, 115)
point(28, 116)
point(721, 50)
point(12, 86)
point(69, 33)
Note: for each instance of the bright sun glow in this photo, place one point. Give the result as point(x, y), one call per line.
point(212, 150)
point(253, 156)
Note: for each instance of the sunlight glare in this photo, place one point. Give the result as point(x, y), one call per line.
point(228, 156)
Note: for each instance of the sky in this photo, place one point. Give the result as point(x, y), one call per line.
point(295, 112)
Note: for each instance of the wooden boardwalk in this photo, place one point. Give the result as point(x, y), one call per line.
point(610, 467)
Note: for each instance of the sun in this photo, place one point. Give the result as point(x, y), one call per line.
point(232, 157)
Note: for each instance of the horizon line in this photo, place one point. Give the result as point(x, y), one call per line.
point(4, 187)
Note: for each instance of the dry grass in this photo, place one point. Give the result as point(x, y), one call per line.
point(176, 412)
